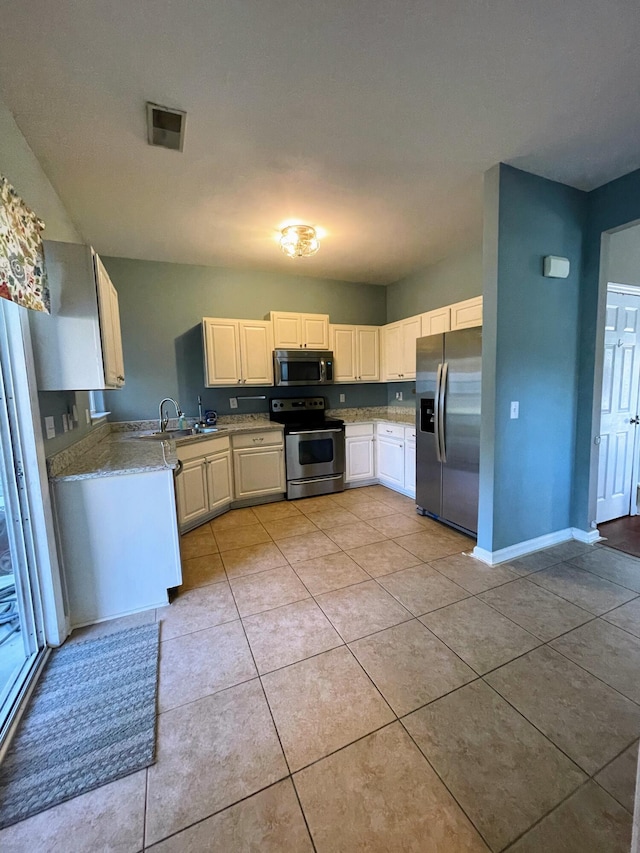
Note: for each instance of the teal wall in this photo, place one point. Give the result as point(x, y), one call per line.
point(609, 207)
point(451, 280)
point(530, 354)
point(161, 308)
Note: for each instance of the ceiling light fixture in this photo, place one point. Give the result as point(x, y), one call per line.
point(299, 241)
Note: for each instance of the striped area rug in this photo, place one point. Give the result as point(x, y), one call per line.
point(91, 720)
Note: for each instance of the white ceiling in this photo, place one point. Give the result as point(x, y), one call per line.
point(373, 120)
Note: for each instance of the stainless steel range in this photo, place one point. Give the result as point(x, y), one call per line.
point(314, 446)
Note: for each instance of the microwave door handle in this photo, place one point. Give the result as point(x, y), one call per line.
point(277, 370)
point(323, 370)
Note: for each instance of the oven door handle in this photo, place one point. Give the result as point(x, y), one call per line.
point(302, 482)
point(313, 431)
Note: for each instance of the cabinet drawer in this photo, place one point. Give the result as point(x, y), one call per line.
point(352, 430)
point(390, 430)
point(266, 438)
point(410, 433)
point(199, 449)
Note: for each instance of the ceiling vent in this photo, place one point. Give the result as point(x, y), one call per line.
point(165, 127)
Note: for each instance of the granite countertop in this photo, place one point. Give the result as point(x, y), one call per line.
point(122, 452)
point(407, 417)
point(116, 454)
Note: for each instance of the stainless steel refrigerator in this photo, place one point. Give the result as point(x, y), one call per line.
point(448, 376)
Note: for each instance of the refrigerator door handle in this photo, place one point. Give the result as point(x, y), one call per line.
point(436, 413)
point(441, 411)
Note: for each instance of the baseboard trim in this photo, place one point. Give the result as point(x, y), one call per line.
point(520, 549)
point(586, 536)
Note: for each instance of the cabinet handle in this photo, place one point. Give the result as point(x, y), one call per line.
point(121, 378)
point(258, 439)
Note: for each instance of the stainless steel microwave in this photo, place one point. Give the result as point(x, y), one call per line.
point(302, 367)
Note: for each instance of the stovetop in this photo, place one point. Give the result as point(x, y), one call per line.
point(301, 413)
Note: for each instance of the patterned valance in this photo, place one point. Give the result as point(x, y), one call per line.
point(22, 274)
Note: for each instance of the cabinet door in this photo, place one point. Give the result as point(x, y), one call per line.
point(411, 330)
point(219, 479)
point(465, 315)
point(368, 353)
point(256, 352)
point(107, 305)
point(436, 322)
point(390, 461)
point(410, 467)
point(315, 331)
point(287, 330)
point(258, 472)
point(359, 459)
point(117, 336)
point(221, 352)
point(392, 343)
point(191, 491)
point(343, 344)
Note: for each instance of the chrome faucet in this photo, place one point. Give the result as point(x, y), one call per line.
point(164, 418)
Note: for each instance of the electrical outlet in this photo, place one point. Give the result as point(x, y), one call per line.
point(87, 415)
point(65, 422)
point(515, 410)
point(50, 427)
point(233, 402)
point(74, 409)
point(398, 395)
point(343, 398)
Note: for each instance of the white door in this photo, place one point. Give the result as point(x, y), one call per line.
point(620, 377)
point(315, 331)
point(343, 344)
point(221, 352)
point(258, 472)
point(359, 459)
point(390, 461)
point(219, 479)
point(368, 354)
point(411, 330)
point(256, 352)
point(392, 345)
point(191, 492)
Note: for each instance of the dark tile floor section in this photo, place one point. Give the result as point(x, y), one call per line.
point(337, 674)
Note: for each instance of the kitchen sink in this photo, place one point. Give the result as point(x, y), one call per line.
point(166, 434)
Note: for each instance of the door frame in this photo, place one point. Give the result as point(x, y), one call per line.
point(603, 281)
point(629, 290)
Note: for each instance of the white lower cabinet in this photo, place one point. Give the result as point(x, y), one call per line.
point(118, 541)
point(359, 450)
point(203, 486)
point(396, 457)
point(258, 465)
point(390, 455)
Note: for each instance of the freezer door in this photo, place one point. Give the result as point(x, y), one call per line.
point(461, 433)
point(429, 353)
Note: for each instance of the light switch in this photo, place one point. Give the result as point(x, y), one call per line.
point(50, 427)
point(233, 402)
point(87, 415)
point(515, 410)
point(74, 409)
point(65, 422)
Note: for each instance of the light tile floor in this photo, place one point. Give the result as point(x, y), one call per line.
point(337, 675)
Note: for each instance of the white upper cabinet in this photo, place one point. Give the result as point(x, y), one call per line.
point(79, 346)
point(295, 331)
point(436, 322)
point(399, 348)
point(356, 352)
point(237, 352)
point(466, 314)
